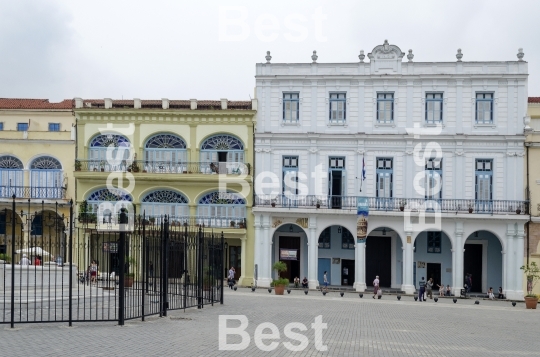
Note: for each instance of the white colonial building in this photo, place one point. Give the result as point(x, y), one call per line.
point(442, 148)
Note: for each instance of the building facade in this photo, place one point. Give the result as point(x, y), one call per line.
point(173, 156)
point(435, 149)
point(37, 152)
point(532, 173)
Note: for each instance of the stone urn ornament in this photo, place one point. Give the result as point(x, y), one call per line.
point(459, 55)
point(268, 57)
point(410, 56)
point(314, 57)
point(361, 56)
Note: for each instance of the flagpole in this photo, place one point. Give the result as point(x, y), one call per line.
point(362, 175)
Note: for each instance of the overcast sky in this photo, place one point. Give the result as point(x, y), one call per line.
point(208, 49)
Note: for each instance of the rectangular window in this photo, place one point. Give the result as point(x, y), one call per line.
point(347, 239)
point(434, 242)
point(22, 126)
point(484, 108)
point(433, 184)
point(324, 239)
point(434, 108)
point(338, 106)
point(54, 126)
point(291, 108)
point(290, 179)
point(484, 180)
point(1, 126)
point(337, 162)
point(385, 107)
point(384, 175)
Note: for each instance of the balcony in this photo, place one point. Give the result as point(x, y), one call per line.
point(165, 167)
point(46, 193)
point(396, 204)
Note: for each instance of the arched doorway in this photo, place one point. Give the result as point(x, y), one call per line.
point(336, 256)
point(165, 153)
point(223, 153)
point(6, 229)
point(290, 247)
point(482, 259)
point(48, 232)
point(433, 258)
point(11, 177)
point(383, 253)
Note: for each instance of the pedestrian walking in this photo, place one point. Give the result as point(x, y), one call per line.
point(422, 285)
point(429, 288)
point(376, 284)
point(325, 281)
point(24, 260)
point(231, 277)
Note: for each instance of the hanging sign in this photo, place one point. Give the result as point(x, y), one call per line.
point(362, 211)
point(288, 254)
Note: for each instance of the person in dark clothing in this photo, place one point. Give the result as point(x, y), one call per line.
point(422, 284)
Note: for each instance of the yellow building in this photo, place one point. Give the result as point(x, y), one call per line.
point(180, 151)
point(37, 152)
point(532, 144)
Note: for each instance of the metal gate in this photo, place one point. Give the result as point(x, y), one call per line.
point(54, 271)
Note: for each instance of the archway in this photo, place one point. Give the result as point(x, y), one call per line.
point(290, 247)
point(336, 255)
point(384, 257)
point(433, 258)
point(482, 258)
point(47, 231)
point(6, 230)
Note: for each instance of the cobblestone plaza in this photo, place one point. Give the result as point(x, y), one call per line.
point(355, 327)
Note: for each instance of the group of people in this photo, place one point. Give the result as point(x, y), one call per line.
point(25, 261)
point(297, 282)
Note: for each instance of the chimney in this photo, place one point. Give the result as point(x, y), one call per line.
point(164, 103)
point(224, 103)
point(136, 103)
point(108, 103)
point(78, 103)
point(193, 104)
point(254, 103)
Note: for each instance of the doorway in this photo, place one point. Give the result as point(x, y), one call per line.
point(235, 260)
point(347, 272)
point(335, 188)
point(472, 259)
point(379, 260)
point(324, 266)
point(293, 266)
point(433, 270)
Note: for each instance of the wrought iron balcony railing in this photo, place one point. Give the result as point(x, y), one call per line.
point(395, 204)
point(33, 192)
point(166, 167)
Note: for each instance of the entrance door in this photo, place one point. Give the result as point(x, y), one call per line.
point(235, 260)
point(347, 272)
point(324, 265)
point(293, 266)
point(472, 259)
point(434, 272)
point(378, 260)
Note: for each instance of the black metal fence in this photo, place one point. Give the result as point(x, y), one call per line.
point(54, 271)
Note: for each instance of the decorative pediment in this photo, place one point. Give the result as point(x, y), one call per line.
point(386, 59)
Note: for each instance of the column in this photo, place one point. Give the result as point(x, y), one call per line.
point(519, 248)
point(265, 269)
point(243, 249)
point(360, 266)
point(313, 253)
point(257, 249)
point(458, 257)
point(408, 259)
point(509, 271)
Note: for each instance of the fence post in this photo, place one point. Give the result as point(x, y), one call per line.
point(185, 265)
point(211, 264)
point(144, 285)
point(13, 262)
point(200, 269)
point(166, 266)
point(222, 265)
point(121, 249)
point(70, 252)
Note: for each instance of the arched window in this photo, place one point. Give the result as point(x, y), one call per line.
point(165, 202)
point(11, 176)
point(165, 153)
point(46, 178)
point(223, 154)
point(218, 209)
point(98, 152)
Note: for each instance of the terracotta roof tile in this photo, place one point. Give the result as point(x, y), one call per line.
point(20, 103)
point(534, 99)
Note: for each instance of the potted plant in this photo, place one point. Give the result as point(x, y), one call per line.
point(532, 271)
point(85, 213)
point(242, 224)
point(232, 224)
point(318, 204)
point(471, 208)
point(152, 220)
point(5, 258)
point(402, 205)
point(77, 165)
point(518, 210)
point(280, 283)
point(102, 166)
point(273, 203)
point(134, 166)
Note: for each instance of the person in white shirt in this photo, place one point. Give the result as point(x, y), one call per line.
point(375, 286)
point(24, 260)
point(490, 294)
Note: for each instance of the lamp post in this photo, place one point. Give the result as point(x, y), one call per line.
point(225, 259)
